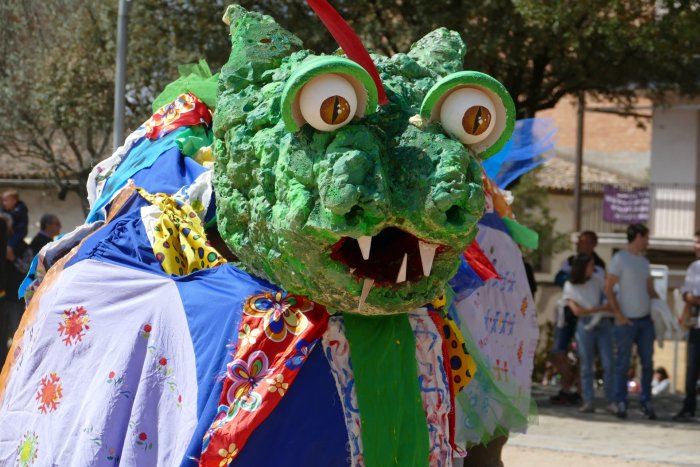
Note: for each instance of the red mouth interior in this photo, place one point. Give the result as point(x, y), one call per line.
point(386, 255)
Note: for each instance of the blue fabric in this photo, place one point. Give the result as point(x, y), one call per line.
point(599, 338)
point(641, 333)
point(169, 173)
point(29, 278)
point(494, 221)
point(532, 144)
point(213, 302)
point(312, 402)
point(141, 156)
point(123, 241)
point(465, 281)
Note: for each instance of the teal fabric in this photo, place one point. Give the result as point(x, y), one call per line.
point(141, 156)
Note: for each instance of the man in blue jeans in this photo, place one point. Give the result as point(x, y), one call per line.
point(691, 296)
point(631, 305)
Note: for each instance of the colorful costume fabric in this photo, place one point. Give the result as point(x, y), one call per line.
point(142, 345)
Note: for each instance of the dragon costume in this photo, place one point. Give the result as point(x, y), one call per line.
point(373, 309)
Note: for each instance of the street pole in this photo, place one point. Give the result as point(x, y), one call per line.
point(120, 81)
point(578, 199)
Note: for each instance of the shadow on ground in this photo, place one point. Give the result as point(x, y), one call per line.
point(665, 406)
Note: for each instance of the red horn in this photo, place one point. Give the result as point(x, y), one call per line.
point(348, 41)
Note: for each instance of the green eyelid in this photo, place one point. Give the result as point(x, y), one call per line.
point(479, 81)
point(321, 66)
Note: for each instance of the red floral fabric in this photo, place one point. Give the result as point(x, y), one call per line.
point(277, 333)
point(186, 110)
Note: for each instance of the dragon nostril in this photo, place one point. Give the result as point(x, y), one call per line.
point(353, 217)
point(456, 215)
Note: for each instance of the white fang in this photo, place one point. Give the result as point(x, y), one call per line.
point(402, 270)
point(427, 254)
point(366, 286)
point(365, 243)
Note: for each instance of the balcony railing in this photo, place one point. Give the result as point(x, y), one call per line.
point(671, 210)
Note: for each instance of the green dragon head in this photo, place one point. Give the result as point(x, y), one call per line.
point(360, 207)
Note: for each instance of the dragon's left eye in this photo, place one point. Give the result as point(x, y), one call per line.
point(328, 102)
point(468, 114)
point(472, 107)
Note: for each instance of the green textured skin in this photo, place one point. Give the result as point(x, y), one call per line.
point(284, 199)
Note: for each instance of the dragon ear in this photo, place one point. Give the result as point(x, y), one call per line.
point(258, 44)
point(441, 51)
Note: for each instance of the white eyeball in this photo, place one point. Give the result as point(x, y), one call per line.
point(328, 102)
point(468, 114)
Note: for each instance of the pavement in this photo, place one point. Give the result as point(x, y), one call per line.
point(562, 436)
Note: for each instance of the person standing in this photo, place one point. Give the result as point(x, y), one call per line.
point(12, 205)
point(586, 244)
point(50, 227)
point(631, 305)
point(566, 326)
point(583, 293)
point(691, 297)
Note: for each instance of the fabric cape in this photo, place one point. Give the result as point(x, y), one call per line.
point(142, 346)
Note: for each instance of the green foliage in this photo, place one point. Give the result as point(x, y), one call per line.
point(542, 51)
point(531, 209)
point(57, 56)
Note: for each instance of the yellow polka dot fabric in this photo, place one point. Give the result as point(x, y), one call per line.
point(461, 363)
point(179, 241)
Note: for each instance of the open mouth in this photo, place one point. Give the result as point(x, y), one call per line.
point(386, 259)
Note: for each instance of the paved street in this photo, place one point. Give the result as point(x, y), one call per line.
point(563, 436)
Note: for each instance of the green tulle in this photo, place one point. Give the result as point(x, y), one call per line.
point(195, 78)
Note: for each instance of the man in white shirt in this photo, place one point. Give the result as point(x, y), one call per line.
point(691, 296)
point(629, 271)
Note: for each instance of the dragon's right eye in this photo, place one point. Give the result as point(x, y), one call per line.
point(327, 93)
point(328, 102)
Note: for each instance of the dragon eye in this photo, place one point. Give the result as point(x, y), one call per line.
point(328, 102)
point(468, 114)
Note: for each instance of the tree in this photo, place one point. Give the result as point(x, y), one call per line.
point(46, 76)
point(57, 75)
point(531, 209)
point(543, 51)
point(57, 69)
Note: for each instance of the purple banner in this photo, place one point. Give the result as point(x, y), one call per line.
point(624, 206)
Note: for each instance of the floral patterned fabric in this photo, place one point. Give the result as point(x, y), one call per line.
point(337, 351)
point(278, 332)
point(186, 110)
point(130, 400)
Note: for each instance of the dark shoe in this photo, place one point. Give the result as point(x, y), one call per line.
point(575, 398)
point(683, 417)
point(563, 398)
point(647, 410)
point(621, 410)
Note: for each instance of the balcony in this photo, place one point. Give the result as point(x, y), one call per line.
point(671, 210)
